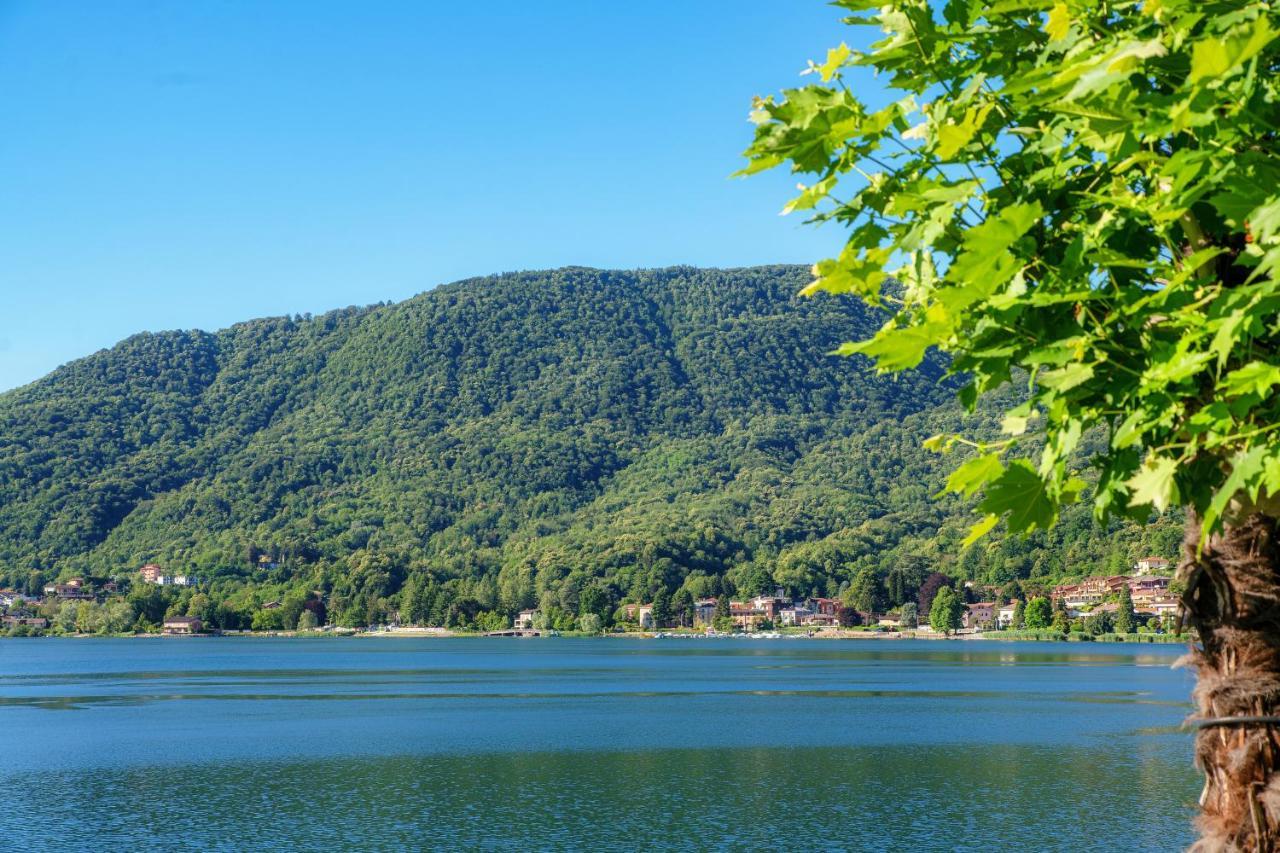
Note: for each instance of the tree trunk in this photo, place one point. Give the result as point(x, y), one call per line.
point(1232, 599)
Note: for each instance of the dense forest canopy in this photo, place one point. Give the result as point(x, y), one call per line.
point(570, 439)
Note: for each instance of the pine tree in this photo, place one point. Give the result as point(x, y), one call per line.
point(1126, 618)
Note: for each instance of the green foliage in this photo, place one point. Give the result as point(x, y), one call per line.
point(946, 612)
point(1039, 613)
point(1126, 620)
point(570, 441)
point(1080, 197)
point(1019, 614)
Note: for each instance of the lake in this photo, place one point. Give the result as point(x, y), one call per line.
point(392, 743)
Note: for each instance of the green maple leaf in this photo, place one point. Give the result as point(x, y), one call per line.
point(1023, 495)
point(1256, 377)
point(974, 474)
point(1155, 484)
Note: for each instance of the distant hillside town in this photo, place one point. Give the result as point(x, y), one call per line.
point(153, 599)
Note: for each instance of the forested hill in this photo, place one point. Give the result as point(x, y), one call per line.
point(508, 441)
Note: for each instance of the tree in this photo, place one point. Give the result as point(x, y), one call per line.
point(1101, 622)
point(864, 592)
point(682, 607)
point(1039, 613)
point(909, 615)
point(1061, 622)
point(929, 588)
point(905, 577)
point(307, 621)
point(723, 618)
point(1019, 614)
point(590, 623)
point(946, 611)
point(662, 608)
point(1083, 196)
point(1126, 619)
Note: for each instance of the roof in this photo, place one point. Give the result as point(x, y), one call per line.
point(181, 620)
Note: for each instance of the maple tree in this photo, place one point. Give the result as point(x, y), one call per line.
point(1081, 197)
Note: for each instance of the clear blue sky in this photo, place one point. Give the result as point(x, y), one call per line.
point(193, 163)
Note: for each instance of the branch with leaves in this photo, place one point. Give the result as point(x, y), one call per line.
point(1081, 195)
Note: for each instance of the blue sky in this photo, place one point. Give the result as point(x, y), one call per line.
point(191, 164)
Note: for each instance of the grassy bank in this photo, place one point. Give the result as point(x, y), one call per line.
point(1076, 637)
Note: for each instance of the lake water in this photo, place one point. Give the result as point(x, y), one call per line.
point(381, 744)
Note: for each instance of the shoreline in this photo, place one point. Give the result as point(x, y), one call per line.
point(445, 633)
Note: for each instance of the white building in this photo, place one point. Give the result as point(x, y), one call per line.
point(799, 615)
point(1147, 565)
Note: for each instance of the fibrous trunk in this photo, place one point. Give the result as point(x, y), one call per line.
point(1232, 599)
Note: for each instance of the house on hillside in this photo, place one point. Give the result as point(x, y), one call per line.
point(1147, 588)
point(72, 590)
point(1162, 606)
point(1147, 565)
point(10, 597)
point(151, 573)
point(1090, 591)
point(183, 625)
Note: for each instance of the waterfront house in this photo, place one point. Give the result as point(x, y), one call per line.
point(745, 616)
point(824, 606)
point(524, 619)
point(1004, 616)
point(180, 625)
point(980, 614)
point(644, 616)
point(798, 615)
point(769, 605)
point(704, 611)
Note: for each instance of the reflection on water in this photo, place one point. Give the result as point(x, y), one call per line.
point(387, 744)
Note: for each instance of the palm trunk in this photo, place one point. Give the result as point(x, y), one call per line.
point(1232, 599)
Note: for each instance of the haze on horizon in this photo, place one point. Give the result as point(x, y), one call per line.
point(174, 165)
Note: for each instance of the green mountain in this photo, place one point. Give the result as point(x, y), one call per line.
point(573, 439)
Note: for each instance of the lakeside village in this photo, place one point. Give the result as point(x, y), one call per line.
point(1143, 602)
